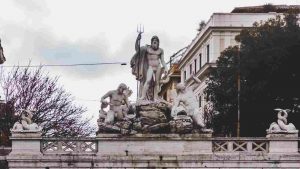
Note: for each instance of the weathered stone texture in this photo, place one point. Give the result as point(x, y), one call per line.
point(156, 151)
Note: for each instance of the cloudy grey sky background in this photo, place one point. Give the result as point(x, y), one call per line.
point(89, 31)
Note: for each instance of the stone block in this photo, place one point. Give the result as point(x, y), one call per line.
point(26, 143)
point(283, 142)
point(153, 144)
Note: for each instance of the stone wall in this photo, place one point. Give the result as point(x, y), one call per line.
point(153, 151)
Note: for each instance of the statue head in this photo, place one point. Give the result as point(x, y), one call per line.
point(122, 87)
point(155, 42)
point(180, 87)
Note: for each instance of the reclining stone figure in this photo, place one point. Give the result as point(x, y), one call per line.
point(186, 102)
point(25, 122)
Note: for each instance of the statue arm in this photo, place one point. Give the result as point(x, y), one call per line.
point(108, 94)
point(175, 105)
point(137, 42)
point(126, 101)
point(176, 102)
point(30, 115)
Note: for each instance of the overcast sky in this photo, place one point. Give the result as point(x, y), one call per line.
point(89, 31)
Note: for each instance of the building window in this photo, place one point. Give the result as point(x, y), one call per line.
point(207, 53)
point(195, 65)
point(200, 60)
point(200, 101)
point(184, 75)
point(191, 69)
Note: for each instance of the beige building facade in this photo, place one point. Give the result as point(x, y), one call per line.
point(218, 34)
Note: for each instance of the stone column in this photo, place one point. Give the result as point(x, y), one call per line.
point(26, 149)
point(283, 142)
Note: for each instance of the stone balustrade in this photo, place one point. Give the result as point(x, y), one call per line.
point(153, 151)
point(248, 145)
point(69, 145)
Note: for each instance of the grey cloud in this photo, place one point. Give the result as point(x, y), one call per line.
point(33, 41)
point(38, 44)
point(33, 8)
point(41, 46)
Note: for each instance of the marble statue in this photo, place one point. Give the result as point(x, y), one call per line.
point(118, 104)
point(125, 118)
point(186, 103)
point(148, 65)
point(26, 122)
point(158, 116)
point(2, 58)
point(282, 125)
point(120, 116)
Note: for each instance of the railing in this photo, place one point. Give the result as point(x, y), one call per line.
point(69, 145)
point(90, 145)
point(249, 145)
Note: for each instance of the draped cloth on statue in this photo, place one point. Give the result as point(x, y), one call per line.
point(139, 65)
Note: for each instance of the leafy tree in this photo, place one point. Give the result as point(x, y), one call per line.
point(270, 77)
point(222, 89)
point(34, 89)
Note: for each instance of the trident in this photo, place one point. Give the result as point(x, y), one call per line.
point(140, 30)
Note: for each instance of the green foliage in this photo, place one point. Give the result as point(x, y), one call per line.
point(270, 77)
point(267, 8)
point(223, 90)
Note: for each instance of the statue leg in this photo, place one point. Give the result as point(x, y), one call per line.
point(198, 119)
point(118, 113)
point(147, 82)
point(141, 87)
point(157, 80)
point(110, 117)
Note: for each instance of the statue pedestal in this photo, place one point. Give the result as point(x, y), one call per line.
point(283, 142)
point(154, 144)
point(26, 142)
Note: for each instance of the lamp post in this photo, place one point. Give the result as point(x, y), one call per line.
point(238, 91)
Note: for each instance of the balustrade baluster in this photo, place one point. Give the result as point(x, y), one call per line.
point(249, 146)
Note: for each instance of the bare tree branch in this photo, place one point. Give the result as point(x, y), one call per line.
point(35, 90)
